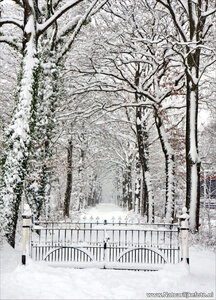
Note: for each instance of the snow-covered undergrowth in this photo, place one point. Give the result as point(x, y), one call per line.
point(40, 281)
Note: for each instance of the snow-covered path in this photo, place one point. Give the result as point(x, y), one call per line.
point(106, 211)
point(40, 281)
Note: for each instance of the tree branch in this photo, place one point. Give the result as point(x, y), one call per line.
point(208, 13)
point(11, 43)
point(11, 21)
point(169, 7)
point(43, 27)
point(79, 25)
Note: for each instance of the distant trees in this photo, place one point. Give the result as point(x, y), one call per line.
point(207, 146)
point(34, 23)
point(170, 62)
point(139, 67)
point(106, 104)
point(192, 42)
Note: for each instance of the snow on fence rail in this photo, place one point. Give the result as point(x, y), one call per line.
point(117, 245)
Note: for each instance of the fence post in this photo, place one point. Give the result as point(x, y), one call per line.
point(184, 228)
point(27, 222)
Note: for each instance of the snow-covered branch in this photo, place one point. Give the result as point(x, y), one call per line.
point(41, 28)
point(77, 25)
point(11, 42)
point(184, 6)
point(12, 21)
point(68, 28)
point(174, 17)
point(208, 13)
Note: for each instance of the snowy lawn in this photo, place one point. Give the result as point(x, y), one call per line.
point(40, 281)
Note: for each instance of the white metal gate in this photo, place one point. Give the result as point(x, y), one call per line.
point(116, 245)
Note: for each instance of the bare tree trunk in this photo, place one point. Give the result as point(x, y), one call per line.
point(147, 204)
point(143, 146)
point(169, 167)
point(130, 194)
point(127, 188)
point(192, 157)
point(138, 186)
point(69, 180)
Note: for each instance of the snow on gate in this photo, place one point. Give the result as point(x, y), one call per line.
point(116, 244)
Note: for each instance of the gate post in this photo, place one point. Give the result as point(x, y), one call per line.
point(106, 239)
point(184, 227)
point(27, 222)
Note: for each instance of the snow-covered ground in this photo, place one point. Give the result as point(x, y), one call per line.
point(40, 281)
point(106, 211)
